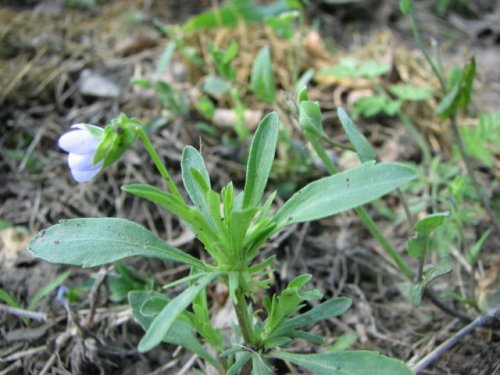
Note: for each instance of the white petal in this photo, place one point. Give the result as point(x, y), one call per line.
point(84, 175)
point(83, 161)
point(78, 142)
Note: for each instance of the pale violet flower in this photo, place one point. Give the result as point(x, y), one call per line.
point(81, 144)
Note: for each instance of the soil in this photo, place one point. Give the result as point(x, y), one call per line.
point(49, 51)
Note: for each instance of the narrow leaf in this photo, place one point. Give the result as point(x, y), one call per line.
point(181, 332)
point(326, 310)
point(340, 192)
point(161, 325)
point(260, 160)
point(96, 241)
point(262, 79)
point(362, 146)
point(47, 288)
point(442, 268)
point(310, 118)
point(359, 362)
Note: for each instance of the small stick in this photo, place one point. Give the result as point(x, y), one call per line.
point(101, 276)
point(481, 320)
point(39, 316)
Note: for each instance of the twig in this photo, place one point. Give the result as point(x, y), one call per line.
point(39, 316)
point(12, 367)
point(438, 302)
point(101, 276)
point(481, 320)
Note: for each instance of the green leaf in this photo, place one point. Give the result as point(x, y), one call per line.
point(405, 6)
point(262, 78)
point(164, 321)
point(259, 367)
point(323, 311)
point(216, 86)
point(359, 362)
point(349, 67)
point(475, 250)
point(430, 222)
point(442, 268)
point(234, 12)
point(8, 299)
point(191, 158)
point(468, 80)
point(363, 148)
point(459, 95)
point(47, 288)
point(96, 241)
point(409, 92)
point(419, 244)
point(260, 160)
point(241, 360)
point(343, 191)
point(181, 333)
point(193, 217)
point(310, 117)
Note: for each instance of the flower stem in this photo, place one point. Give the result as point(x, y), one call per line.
point(158, 163)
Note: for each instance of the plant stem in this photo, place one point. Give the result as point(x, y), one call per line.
point(241, 309)
point(419, 140)
point(158, 163)
point(420, 43)
point(389, 249)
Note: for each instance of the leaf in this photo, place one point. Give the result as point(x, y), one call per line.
point(216, 86)
point(262, 78)
point(310, 117)
point(96, 241)
point(419, 244)
point(259, 367)
point(241, 360)
point(358, 362)
point(430, 222)
point(181, 333)
point(405, 6)
point(343, 191)
point(362, 146)
point(191, 158)
point(164, 321)
point(47, 288)
point(323, 311)
point(193, 217)
point(476, 249)
point(8, 299)
point(260, 160)
point(234, 12)
point(440, 269)
point(459, 95)
point(409, 92)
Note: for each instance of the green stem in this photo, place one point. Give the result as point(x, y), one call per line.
point(420, 43)
point(158, 163)
point(420, 141)
point(241, 309)
point(389, 249)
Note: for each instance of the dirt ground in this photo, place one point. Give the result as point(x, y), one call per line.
point(61, 65)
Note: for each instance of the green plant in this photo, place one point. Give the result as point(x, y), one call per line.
point(232, 226)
